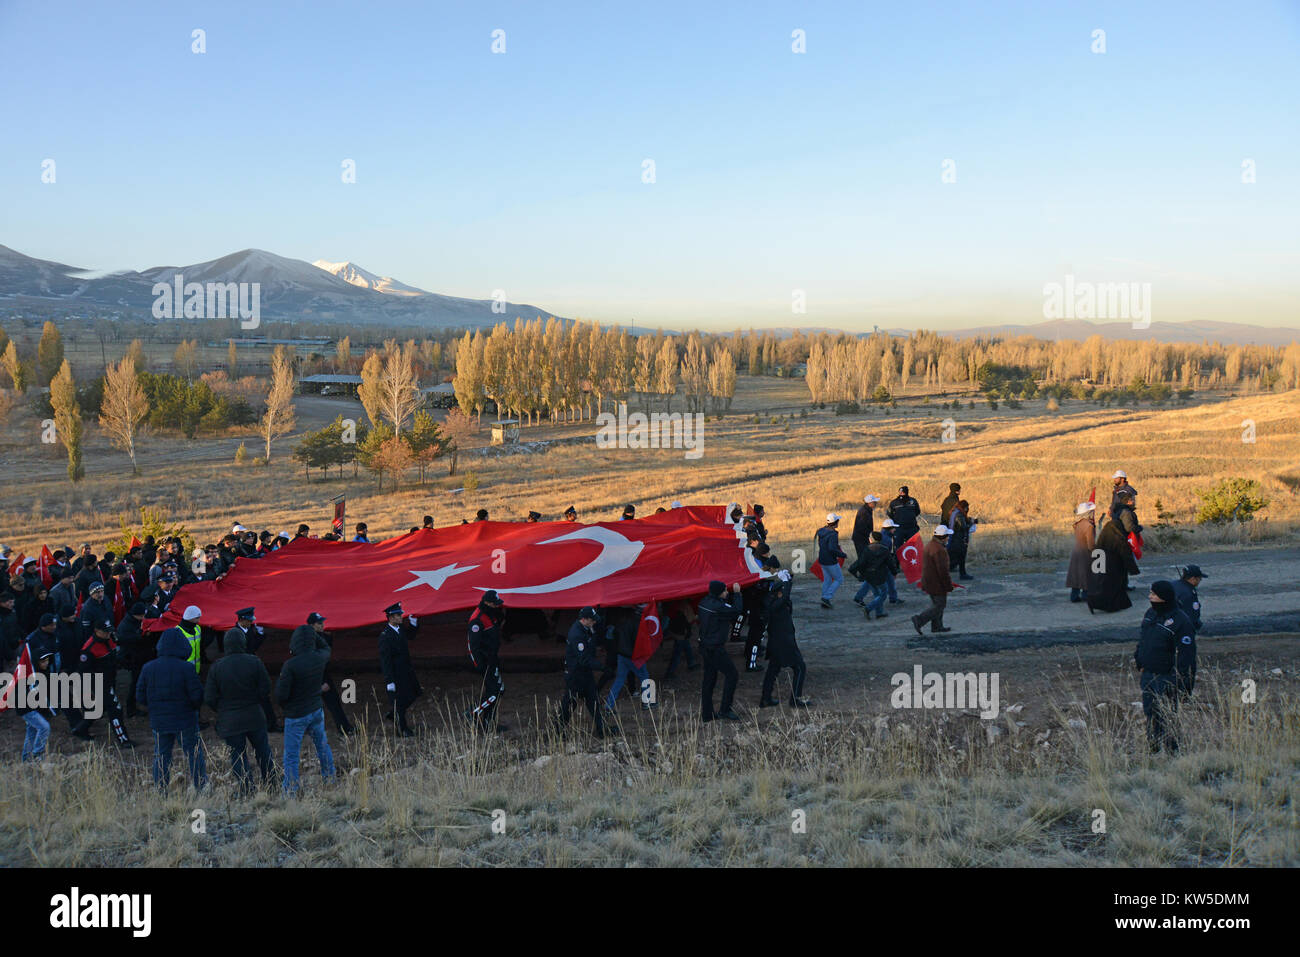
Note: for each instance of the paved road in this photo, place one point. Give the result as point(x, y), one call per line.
point(1249, 591)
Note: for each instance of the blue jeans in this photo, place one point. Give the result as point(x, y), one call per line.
point(889, 586)
point(832, 579)
point(38, 732)
point(294, 729)
point(164, 741)
point(625, 668)
point(878, 595)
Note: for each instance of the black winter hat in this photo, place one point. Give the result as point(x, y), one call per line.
point(1164, 590)
point(716, 589)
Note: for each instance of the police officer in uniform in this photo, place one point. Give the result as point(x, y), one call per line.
point(905, 511)
point(395, 661)
point(1164, 643)
point(579, 682)
point(484, 642)
point(781, 645)
point(246, 627)
point(1189, 603)
point(715, 621)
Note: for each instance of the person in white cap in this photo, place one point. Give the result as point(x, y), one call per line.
point(193, 632)
point(828, 557)
point(1121, 486)
point(889, 538)
point(864, 524)
point(935, 581)
point(1085, 539)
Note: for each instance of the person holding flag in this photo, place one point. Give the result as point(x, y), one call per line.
point(484, 650)
point(716, 618)
point(626, 639)
point(579, 680)
point(829, 556)
point(36, 656)
point(782, 648)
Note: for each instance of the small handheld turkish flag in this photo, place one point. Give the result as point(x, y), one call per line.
point(909, 559)
point(817, 570)
point(649, 635)
point(21, 674)
point(43, 564)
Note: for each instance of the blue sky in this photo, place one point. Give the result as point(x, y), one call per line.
point(775, 171)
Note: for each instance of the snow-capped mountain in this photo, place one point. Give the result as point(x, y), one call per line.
point(351, 272)
point(290, 289)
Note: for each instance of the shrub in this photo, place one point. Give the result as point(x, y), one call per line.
point(241, 455)
point(1230, 500)
point(847, 408)
point(470, 481)
point(1053, 405)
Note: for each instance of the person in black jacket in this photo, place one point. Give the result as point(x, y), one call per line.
point(137, 649)
point(1189, 603)
point(330, 696)
point(626, 622)
point(40, 648)
point(906, 512)
point(298, 690)
point(876, 567)
point(1164, 644)
point(864, 524)
point(579, 682)
point(236, 685)
point(94, 609)
point(247, 628)
point(484, 642)
point(67, 644)
point(715, 620)
point(11, 635)
point(782, 648)
point(395, 661)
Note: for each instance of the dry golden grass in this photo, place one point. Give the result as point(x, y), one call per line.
point(1023, 471)
point(915, 789)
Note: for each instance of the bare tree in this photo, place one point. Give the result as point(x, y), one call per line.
point(457, 430)
point(123, 408)
point(370, 392)
point(400, 389)
point(278, 418)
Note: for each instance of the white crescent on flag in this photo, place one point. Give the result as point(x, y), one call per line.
point(616, 554)
point(912, 560)
point(655, 619)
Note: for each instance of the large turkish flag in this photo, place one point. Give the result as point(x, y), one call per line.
point(909, 558)
point(667, 555)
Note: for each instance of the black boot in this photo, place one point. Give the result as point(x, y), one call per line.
point(769, 703)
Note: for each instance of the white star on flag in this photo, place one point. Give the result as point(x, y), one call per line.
point(434, 578)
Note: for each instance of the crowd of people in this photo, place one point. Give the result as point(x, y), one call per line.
point(78, 613)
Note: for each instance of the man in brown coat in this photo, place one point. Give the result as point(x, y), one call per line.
point(946, 506)
point(935, 581)
point(1085, 537)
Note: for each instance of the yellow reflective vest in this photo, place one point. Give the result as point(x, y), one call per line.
point(196, 654)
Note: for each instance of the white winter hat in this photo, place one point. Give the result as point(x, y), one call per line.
point(1085, 507)
point(238, 528)
point(1120, 473)
point(940, 530)
point(831, 518)
point(889, 523)
point(676, 505)
point(192, 613)
point(872, 498)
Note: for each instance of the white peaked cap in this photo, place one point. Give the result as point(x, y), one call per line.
point(192, 613)
point(677, 505)
point(1120, 473)
point(831, 517)
point(1085, 507)
point(872, 498)
point(942, 530)
point(889, 523)
point(238, 528)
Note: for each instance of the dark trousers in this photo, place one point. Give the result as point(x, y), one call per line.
point(239, 757)
point(1159, 702)
point(797, 672)
point(333, 702)
point(957, 560)
point(611, 665)
point(580, 685)
point(485, 712)
point(934, 614)
point(400, 700)
point(681, 647)
point(757, 625)
point(268, 711)
point(716, 660)
point(164, 742)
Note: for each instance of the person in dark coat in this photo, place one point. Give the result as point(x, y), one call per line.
point(67, 644)
point(40, 648)
point(935, 582)
point(252, 635)
point(1085, 539)
point(170, 688)
point(906, 512)
point(94, 609)
point(716, 617)
point(1166, 646)
point(395, 662)
point(298, 690)
point(63, 595)
point(1108, 572)
point(11, 633)
point(330, 696)
point(1121, 488)
point(579, 681)
point(137, 650)
point(829, 556)
point(236, 687)
point(960, 522)
point(949, 503)
point(679, 619)
point(1189, 603)
point(782, 648)
point(864, 524)
point(626, 622)
point(876, 567)
point(889, 538)
point(484, 641)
